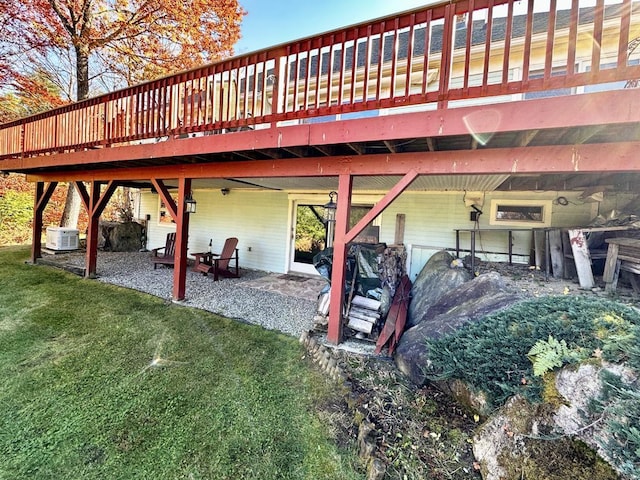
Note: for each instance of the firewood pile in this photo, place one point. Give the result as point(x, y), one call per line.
point(366, 308)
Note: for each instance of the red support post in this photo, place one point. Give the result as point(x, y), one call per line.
point(41, 199)
point(91, 259)
point(182, 232)
point(338, 269)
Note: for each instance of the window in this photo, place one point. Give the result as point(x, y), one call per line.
point(523, 213)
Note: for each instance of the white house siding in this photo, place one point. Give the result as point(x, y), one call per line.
point(257, 219)
point(431, 219)
point(260, 220)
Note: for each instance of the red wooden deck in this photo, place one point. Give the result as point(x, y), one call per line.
point(382, 98)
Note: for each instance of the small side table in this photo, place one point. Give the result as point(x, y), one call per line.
point(203, 263)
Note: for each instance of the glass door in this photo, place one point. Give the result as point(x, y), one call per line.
point(309, 237)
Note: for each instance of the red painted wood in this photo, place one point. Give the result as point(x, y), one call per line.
point(527, 44)
point(169, 203)
point(182, 234)
point(338, 267)
point(576, 159)
point(84, 195)
point(379, 207)
point(41, 198)
point(91, 256)
point(597, 36)
point(573, 35)
point(623, 41)
point(551, 30)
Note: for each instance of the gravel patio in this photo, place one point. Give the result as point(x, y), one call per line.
point(286, 303)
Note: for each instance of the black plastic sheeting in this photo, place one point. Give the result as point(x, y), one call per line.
point(361, 263)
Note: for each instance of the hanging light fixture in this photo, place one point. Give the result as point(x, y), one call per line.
point(190, 204)
point(330, 217)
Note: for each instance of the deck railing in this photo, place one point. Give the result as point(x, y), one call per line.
point(432, 56)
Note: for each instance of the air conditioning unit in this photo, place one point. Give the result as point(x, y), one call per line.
point(62, 238)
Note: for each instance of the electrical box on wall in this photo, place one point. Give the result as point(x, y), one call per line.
point(474, 216)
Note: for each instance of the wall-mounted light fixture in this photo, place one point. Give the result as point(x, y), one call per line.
point(330, 217)
point(190, 204)
point(224, 191)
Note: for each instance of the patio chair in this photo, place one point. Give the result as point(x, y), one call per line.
point(169, 255)
point(220, 264)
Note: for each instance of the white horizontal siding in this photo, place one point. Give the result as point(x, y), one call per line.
point(260, 220)
point(257, 219)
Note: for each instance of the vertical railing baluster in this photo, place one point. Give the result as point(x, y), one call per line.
point(623, 41)
point(367, 66)
point(427, 47)
point(380, 62)
point(526, 61)
point(467, 49)
point(598, 19)
point(354, 67)
point(343, 65)
point(506, 56)
point(488, 33)
point(409, 66)
point(573, 36)
point(551, 30)
point(447, 54)
point(394, 59)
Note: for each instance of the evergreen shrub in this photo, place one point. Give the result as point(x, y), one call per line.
point(492, 355)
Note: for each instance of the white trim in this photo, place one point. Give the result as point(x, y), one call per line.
point(546, 212)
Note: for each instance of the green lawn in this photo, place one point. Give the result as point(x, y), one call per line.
point(107, 383)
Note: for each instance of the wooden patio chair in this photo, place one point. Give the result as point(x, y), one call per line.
point(221, 264)
point(168, 257)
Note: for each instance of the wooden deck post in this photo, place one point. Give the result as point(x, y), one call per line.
point(40, 201)
point(96, 205)
point(338, 268)
point(182, 233)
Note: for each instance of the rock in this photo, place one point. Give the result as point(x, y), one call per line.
point(376, 469)
point(125, 237)
point(435, 279)
point(548, 441)
point(468, 302)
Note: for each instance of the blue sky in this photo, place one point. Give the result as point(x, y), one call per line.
point(271, 22)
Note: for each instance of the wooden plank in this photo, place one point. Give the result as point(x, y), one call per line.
point(365, 302)
point(539, 248)
point(365, 312)
point(555, 250)
point(362, 316)
point(610, 287)
point(581, 258)
point(610, 263)
point(399, 235)
point(360, 325)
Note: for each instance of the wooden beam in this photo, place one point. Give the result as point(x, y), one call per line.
point(356, 148)
point(40, 200)
point(581, 135)
point(338, 267)
point(182, 234)
point(82, 192)
point(391, 146)
point(525, 138)
point(621, 157)
point(379, 207)
point(166, 197)
point(548, 113)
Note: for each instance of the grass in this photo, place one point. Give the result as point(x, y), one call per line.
point(103, 382)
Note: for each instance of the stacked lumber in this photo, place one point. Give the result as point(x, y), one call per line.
point(363, 314)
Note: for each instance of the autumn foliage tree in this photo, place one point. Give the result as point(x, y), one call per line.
point(89, 46)
point(102, 44)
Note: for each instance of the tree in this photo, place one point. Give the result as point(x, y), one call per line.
point(111, 43)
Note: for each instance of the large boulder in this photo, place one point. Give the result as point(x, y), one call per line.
point(125, 237)
point(549, 440)
point(468, 302)
point(438, 277)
